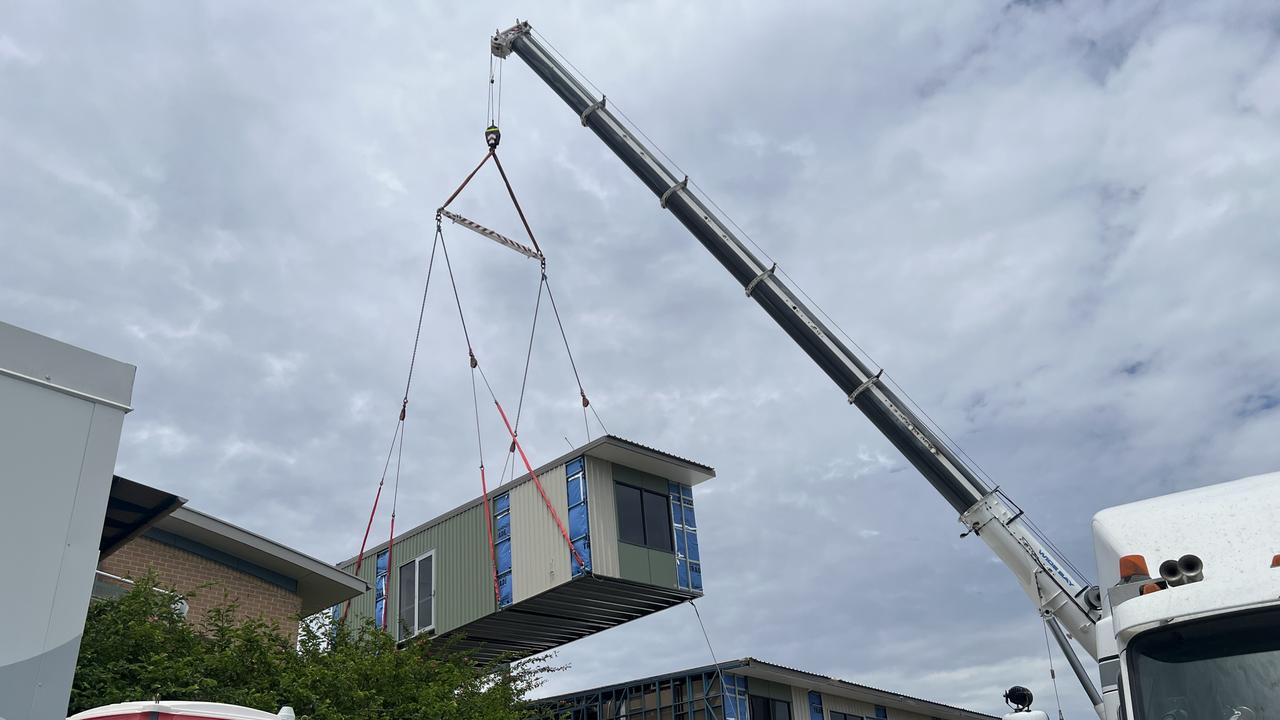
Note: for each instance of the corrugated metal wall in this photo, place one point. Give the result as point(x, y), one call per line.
point(464, 576)
point(539, 554)
point(866, 709)
point(800, 702)
point(604, 518)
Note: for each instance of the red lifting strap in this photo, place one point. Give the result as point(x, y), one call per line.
point(386, 591)
point(493, 552)
point(363, 543)
point(554, 516)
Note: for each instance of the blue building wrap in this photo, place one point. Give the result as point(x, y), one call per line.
point(502, 546)
point(684, 524)
point(380, 591)
point(735, 697)
point(575, 474)
point(815, 706)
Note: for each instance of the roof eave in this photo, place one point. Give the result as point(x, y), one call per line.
point(320, 585)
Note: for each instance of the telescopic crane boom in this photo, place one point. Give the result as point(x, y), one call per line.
point(1058, 594)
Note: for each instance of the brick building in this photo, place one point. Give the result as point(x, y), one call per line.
point(211, 563)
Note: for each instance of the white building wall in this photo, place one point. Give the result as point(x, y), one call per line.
point(61, 412)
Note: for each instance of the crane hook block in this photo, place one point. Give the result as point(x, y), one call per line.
point(492, 136)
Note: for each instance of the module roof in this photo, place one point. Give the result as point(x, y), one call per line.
point(606, 447)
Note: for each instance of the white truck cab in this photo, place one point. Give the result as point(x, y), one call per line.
point(1192, 598)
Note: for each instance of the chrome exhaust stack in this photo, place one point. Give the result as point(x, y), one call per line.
point(1184, 570)
point(1191, 567)
point(1172, 574)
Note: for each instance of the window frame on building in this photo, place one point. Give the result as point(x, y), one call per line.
point(665, 535)
point(770, 705)
point(404, 632)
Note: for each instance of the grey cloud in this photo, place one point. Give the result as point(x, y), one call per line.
point(1006, 205)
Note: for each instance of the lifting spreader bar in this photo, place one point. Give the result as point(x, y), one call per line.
point(492, 235)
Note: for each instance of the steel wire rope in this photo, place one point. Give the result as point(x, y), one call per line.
point(391, 534)
point(524, 379)
point(543, 281)
point(484, 489)
point(404, 407)
point(489, 109)
point(932, 424)
point(583, 393)
point(475, 365)
point(399, 427)
point(372, 512)
point(475, 404)
point(1042, 537)
point(550, 296)
point(1053, 674)
point(703, 195)
point(498, 115)
point(714, 660)
point(502, 476)
point(422, 309)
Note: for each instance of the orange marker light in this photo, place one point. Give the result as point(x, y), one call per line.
point(1149, 588)
point(1275, 561)
point(1132, 566)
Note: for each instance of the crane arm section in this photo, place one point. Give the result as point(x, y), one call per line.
point(984, 511)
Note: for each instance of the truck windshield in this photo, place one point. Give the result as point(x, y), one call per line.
point(1219, 669)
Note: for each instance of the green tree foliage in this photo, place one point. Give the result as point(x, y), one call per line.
point(138, 647)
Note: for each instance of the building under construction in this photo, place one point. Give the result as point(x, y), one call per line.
point(604, 534)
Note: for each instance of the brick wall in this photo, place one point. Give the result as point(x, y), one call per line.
point(206, 583)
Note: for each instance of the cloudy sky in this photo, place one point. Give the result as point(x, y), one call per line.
point(1055, 224)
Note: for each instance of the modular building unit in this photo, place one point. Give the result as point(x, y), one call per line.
point(629, 512)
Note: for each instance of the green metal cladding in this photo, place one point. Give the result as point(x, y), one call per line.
point(461, 550)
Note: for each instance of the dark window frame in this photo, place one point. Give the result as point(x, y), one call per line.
point(770, 706)
point(665, 542)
